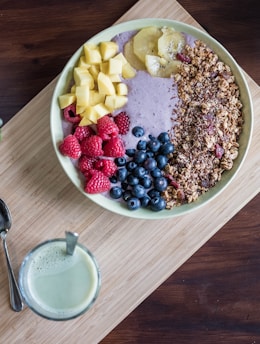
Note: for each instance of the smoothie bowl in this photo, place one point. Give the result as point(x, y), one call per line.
point(151, 118)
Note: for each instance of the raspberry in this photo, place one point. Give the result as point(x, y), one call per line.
point(114, 148)
point(123, 122)
point(82, 132)
point(70, 147)
point(97, 183)
point(86, 163)
point(108, 167)
point(70, 115)
point(92, 146)
point(106, 128)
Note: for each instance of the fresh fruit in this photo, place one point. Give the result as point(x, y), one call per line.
point(81, 132)
point(145, 42)
point(92, 146)
point(108, 167)
point(92, 53)
point(108, 50)
point(159, 67)
point(160, 183)
point(170, 43)
point(133, 203)
point(114, 147)
point(66, 100)
point(114, 102)
point(70, 115)
point(138, 131)
point(97, 183)
point(70, 147)
point(107, 128)
point(86, 163)
point(157, 203)
point(123, 122)
point(131, 57)
point(138, 191)
point(116, 192)
point(105, 85)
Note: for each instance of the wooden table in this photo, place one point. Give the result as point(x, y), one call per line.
point(214, 296)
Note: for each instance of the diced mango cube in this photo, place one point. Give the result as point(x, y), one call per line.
point(105, 85)
point(82, 62)
point(94, 70)
point(80, 109)
point(115, 66)
point(85, 121)
point(96, 97)
point(73, 88)
point(108, 50)
point(92, 53)
point(83, 77)
point(128, 71)
point(115, 102)
point(115, 77)
point(121, 89)
point(104, 67)
point(82, 95)
point(66, 100)
point(122, 58)
point(101, 109)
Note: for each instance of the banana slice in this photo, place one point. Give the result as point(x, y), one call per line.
point(131, 57)
point(160, 67)
point(145, 42)
point(170, 43)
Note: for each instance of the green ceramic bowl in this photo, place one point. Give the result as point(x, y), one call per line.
point(63, 84)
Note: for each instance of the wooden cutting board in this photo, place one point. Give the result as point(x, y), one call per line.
point(135, 256)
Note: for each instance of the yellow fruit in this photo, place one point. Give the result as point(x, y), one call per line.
point(66, 100)
point(82, 62)
point(170, 43)
point(122, 58)
point(83, 77)
point(128, 71)
point(95, 97)
point(101, 110)
point(94, 70)
point(145, 42)
point(92, 53)
point(114, 66)
point(85, 121)
point(159, 67)
point(115, 102)
point(108, 50)
point(131, 57)
point(115, 77)
point(105, 85)
point(82, 95)
point(121, 89)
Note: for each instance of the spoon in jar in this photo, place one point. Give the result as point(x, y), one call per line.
point(5, 225)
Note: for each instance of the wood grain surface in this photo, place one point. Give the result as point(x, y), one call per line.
point(214, 296)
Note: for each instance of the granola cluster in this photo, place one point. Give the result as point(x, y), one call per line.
point(207, 125)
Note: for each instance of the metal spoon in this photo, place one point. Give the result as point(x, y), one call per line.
point(71, 242)
point(5, 225)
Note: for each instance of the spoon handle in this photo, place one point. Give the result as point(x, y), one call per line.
point(15, 296)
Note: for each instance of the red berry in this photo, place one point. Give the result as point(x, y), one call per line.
point(219, 151)
point(106, 128)
point(70, 115)
point(114, 148)
point(123, 122)
point(108, 167)
point(92, 146)
point(86, 163)
point(81, 132)
point(97, 183)
point(70, 147)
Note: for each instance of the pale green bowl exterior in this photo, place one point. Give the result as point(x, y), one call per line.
point(62, 86)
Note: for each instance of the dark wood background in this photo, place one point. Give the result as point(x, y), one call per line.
point(215, 296)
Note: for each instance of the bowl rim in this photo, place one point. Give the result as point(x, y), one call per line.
point(227, 177)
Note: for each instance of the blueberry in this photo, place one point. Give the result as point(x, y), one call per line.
point(126, 195)
point(160, 183)
point(131, 165)
point(149, 154)
point(156, 172)
point(146, 182)
point(157, 203)
point(162, 161)
point(133, 203)
point(145, 201)
point(141, 145)
point(116, 192)
point(130, 152)
point(139, 172)
point(153, 193)
point(121, 161)
point(139, 156)
point(121, 174)
point(124, 185)
point(132, 180)
point(164, 137)
point(138, 191)
point(113, 179)
point(150, 164)
point(167, 148)
point(154, 145)
point(138, 131)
